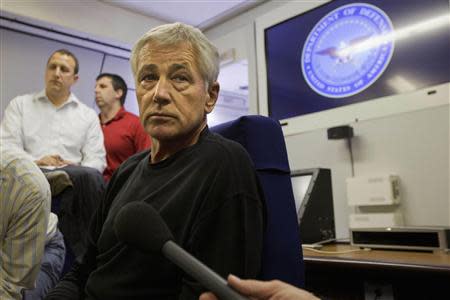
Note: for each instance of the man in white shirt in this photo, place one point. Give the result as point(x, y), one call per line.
point(53, 127)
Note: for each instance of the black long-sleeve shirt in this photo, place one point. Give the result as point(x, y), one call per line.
point(209, 196)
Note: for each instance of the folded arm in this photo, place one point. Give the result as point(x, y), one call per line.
point(11, 133)
point(93, 150)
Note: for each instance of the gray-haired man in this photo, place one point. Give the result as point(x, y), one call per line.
point(203, 185)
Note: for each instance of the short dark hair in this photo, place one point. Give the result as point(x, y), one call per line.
point(68, 53)
point(118, 84)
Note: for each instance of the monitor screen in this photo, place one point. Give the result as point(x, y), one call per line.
point(314, 202)
point(347, 52)
point(300, 186)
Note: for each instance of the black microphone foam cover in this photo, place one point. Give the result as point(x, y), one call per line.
point(139, 225)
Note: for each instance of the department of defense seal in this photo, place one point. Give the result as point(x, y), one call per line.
point(347, 50)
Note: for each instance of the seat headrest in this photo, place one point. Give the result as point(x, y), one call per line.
point(263, 139)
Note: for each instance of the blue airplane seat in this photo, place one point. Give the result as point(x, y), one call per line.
point(263, 139)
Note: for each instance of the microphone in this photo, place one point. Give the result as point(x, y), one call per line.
point(139, 225)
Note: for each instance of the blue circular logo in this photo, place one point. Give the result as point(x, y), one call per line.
point(347, 50)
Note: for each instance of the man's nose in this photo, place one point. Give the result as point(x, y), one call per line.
point(162, 91)
point(57, 71)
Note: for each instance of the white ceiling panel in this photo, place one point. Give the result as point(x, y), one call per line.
point(199, 13)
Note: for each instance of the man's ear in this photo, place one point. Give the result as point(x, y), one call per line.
point(119, 93)
point(213, 94)
point(75, 78)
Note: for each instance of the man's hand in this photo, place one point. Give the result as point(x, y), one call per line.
point(264, 290)
point(53, 160)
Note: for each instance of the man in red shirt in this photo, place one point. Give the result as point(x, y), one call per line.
point(123, 133)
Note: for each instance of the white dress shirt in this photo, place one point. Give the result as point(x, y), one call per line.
point(32, 123)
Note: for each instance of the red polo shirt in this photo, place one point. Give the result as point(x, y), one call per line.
point(124, 136)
